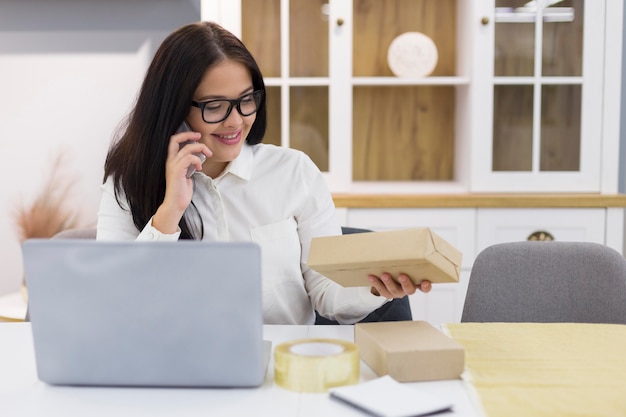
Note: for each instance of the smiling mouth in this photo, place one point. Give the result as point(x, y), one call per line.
point(227, 137)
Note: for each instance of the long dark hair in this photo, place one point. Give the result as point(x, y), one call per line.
point(136, 160)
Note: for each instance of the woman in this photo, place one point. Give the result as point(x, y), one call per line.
point(204, 77)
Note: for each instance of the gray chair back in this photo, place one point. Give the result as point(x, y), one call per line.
point(83, 233)
point(545, 282)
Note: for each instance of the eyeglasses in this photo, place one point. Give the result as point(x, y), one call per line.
point(215, 111)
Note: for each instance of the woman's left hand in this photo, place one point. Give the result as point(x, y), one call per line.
point(388, 288)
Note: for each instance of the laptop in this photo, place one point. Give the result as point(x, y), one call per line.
point(169, 314)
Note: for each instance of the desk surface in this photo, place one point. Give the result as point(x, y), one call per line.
point(12, 307)
point(23, 395)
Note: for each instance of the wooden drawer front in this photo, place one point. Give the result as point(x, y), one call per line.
point(569, 224)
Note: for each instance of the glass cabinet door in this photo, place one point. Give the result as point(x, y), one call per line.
point(295, 68)
point(525, 48)
point(545, 124)
point(407, 128)
point(513, 104)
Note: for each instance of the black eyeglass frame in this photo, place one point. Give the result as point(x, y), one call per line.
point(257, 96)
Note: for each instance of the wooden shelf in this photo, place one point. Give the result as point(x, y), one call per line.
point(479, 200)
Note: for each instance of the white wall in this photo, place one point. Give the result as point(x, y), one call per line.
point(69, 72)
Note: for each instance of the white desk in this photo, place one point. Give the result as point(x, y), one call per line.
point(12, 307)
point(23, 395)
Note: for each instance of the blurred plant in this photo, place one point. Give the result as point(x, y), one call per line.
point(50, 212)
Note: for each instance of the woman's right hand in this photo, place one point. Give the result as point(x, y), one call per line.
point(178, 188)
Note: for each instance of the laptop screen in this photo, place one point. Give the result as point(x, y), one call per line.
point(184, 313)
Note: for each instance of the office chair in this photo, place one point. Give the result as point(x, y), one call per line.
point(83, 233)
point(546, 282)
point(397, 309)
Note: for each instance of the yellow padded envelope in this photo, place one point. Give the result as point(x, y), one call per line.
point(545, 369)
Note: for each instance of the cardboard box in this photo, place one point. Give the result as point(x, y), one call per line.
point(419, 253)
point(409, 351)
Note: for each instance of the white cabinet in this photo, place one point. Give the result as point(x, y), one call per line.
point(510, 225)
point(473, 229)
point(521, 99)
point(523, 106)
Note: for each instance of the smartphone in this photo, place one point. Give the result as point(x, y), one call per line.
point(184, 127)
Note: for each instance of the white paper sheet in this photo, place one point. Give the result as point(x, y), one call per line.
point(386, 397)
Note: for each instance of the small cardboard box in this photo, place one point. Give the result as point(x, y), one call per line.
point(419, 253)
point(409, 351)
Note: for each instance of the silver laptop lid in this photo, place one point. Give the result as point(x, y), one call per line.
point(184, 313)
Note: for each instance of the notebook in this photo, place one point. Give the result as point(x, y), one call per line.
point(171, 314)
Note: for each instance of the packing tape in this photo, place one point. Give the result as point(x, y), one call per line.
point(315, 365)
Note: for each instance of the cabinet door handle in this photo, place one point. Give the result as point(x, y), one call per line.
point(340, 22)
point(484, 20)
point(540, 235)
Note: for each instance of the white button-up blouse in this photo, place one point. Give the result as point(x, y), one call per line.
point(276, 197)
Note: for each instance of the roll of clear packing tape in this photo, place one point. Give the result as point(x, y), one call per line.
point(316, 365)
